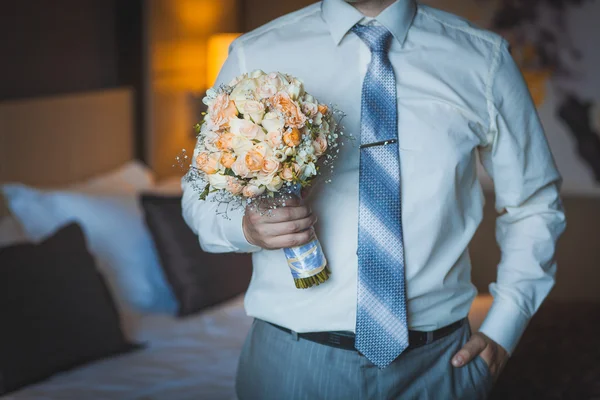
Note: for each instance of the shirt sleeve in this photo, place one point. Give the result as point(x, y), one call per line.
point(216, 233)
point(531, 218)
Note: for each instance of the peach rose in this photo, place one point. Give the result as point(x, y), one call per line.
point(222, 110)
point(254, 160)
point(224, 141)
point(287, 173)
point(208, 163)
point(270, 165)
point(240, 169)
point(289, 108)
point(320, 145)
point(323, 109)
point(234, 185)
point(292, 137)
point(274, 139)
point(253, 190)
point(227, 159)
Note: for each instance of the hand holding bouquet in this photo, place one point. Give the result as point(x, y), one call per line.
point(261, 141)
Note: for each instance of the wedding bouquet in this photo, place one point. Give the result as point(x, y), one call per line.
point(262, 140)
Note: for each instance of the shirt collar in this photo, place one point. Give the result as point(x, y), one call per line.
point(341, 17)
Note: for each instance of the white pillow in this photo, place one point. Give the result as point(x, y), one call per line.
point(131, 177)
point(116, 233)
point(11, 232)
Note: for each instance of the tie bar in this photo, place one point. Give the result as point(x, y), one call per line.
point(382, 143)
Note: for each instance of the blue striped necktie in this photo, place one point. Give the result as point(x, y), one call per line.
point(381, 326)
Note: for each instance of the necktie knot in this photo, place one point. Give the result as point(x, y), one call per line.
point(376, 37)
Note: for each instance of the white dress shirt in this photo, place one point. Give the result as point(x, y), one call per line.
point(460, 95)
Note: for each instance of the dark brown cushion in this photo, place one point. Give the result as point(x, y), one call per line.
point(55, 308)
point(198, 279)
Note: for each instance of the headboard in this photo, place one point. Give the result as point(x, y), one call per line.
point(58, 140)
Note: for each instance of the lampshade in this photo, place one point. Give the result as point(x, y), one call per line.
point(218, 47)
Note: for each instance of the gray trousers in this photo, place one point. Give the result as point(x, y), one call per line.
point(280, 366)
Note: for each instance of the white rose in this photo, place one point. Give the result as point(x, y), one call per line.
point(295, 89)
point(218, 181)
point(309, 170)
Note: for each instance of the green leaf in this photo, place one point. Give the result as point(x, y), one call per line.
point(229, 172)
point(205, 192)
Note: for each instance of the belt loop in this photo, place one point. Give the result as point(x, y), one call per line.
point(429, 337)
point(294, 335)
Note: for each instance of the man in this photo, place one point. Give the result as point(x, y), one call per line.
point(396, 220)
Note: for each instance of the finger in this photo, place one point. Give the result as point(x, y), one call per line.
point(285, 214)
point(288, 227)
point(291, 240)
point(470, 350)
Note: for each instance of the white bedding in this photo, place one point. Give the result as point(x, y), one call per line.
point(193, 358)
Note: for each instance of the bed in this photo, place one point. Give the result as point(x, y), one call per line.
point(195, 356)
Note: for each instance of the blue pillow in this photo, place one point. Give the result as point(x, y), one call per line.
point(117, 237)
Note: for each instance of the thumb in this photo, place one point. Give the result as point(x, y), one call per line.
point(470, 350)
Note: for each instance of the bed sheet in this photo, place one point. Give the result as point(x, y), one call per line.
point(192, 358)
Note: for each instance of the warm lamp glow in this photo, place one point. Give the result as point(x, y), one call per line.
point(218, 48)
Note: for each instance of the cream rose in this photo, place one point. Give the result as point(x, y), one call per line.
point(246, 128)
point(273, 122)
point(295, 89)
point(243, 92)
point(253, 109)
point(287, 173)
point(310, 109)
point(274, 139)
point(217, 181)
point(253, 190)
point(241, 145)
point(275, 184)
point(240, 169)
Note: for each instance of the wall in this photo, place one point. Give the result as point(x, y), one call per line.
point(259, 12)
point(52, 47)
point(179, 30)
